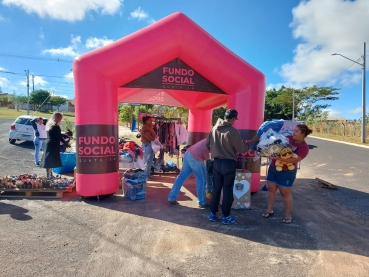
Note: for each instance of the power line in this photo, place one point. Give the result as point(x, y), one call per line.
point(32, 57)
point(341, 73)
point(22, 74)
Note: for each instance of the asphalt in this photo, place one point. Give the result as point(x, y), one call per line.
point(115, 236)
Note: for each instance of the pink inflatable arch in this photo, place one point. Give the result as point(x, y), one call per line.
point(172, 62)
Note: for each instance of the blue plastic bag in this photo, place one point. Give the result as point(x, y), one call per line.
point(69, 162)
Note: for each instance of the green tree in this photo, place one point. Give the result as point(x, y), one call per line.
point(18, 99)
point(278, 103)
point(57, 101)
point(124, 113)
point(39, 97)
point(218, 113)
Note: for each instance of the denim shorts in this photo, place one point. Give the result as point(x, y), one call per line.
point(281, 178)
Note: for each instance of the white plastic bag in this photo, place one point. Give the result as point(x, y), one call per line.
point(271, 143)
point(140, 163)
point(156, 145)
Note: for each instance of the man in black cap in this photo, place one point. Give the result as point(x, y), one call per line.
point(224, 143)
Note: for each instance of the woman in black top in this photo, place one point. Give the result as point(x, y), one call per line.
point(51, 156)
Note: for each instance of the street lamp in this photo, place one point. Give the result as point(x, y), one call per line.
point(364, 115)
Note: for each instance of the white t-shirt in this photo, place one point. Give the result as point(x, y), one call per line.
point(41, 128)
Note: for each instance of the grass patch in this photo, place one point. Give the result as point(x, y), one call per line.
point(13, 114)
point(356, 140)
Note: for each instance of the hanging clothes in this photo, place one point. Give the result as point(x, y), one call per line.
point(181, 133)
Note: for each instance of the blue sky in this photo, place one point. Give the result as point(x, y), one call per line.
point(290, 41)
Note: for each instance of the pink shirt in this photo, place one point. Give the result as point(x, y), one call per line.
point(199, 151)
point(302, 150)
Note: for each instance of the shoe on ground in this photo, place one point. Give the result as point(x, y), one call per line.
point(151, 177)
point(203, 206)
point(228, 219)
point(212, 217)
point(38, 164)
point(174, 202)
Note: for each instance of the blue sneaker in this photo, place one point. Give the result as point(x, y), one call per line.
point(212, 217)
point(228, 219)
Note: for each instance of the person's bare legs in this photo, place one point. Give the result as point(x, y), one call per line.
point(287, 201)
point(272, 194)
point(48, 172)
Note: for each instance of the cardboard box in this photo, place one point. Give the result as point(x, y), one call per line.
point(242, 190)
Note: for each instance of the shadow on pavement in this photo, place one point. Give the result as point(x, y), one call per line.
point(24, 144)
point(322, 220)
point(14, 211)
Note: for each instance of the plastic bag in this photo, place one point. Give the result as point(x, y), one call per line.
point(156, 145)
point(134, 185)
point(69, 162)
point(271, 143)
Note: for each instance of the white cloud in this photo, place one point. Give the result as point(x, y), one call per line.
point(286, 84)
point(39, 81)
point(69, 10)
point(41, 35)
point(68, 51)
point(69, 75)
point(61, 95)
point(3, 81)
point(76, 47)
point(332, 112)
point(139, 14)
point(351, 79)
point(2, 18)
point(97, 42)
point(75, 40)
point(151, 21)
point(356, 111)
point(324, 27)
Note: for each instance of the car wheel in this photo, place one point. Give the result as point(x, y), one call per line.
point(12, 141)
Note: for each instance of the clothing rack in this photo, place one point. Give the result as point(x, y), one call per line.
point(169, 120)
point(165, 119)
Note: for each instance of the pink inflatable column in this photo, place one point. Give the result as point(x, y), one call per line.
point(96, 131)
point(199, 125)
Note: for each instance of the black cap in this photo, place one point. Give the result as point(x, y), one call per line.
point(231, 113)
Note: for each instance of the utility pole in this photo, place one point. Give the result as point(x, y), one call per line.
point(27, 72)
point(293, 105)
point(363, 126)
point(363, 123)
point(33, 82)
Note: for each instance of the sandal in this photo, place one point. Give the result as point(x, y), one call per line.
point(267, 214)
point(287, 220)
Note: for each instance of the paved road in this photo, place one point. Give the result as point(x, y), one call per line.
point(342, 164)
point(16, 159)
point(119, 237)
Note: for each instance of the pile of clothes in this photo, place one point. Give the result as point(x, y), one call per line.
point(129, 151)
point(159, 166)
point(28, 181)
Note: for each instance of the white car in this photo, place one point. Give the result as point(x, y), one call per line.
point(22, 129)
